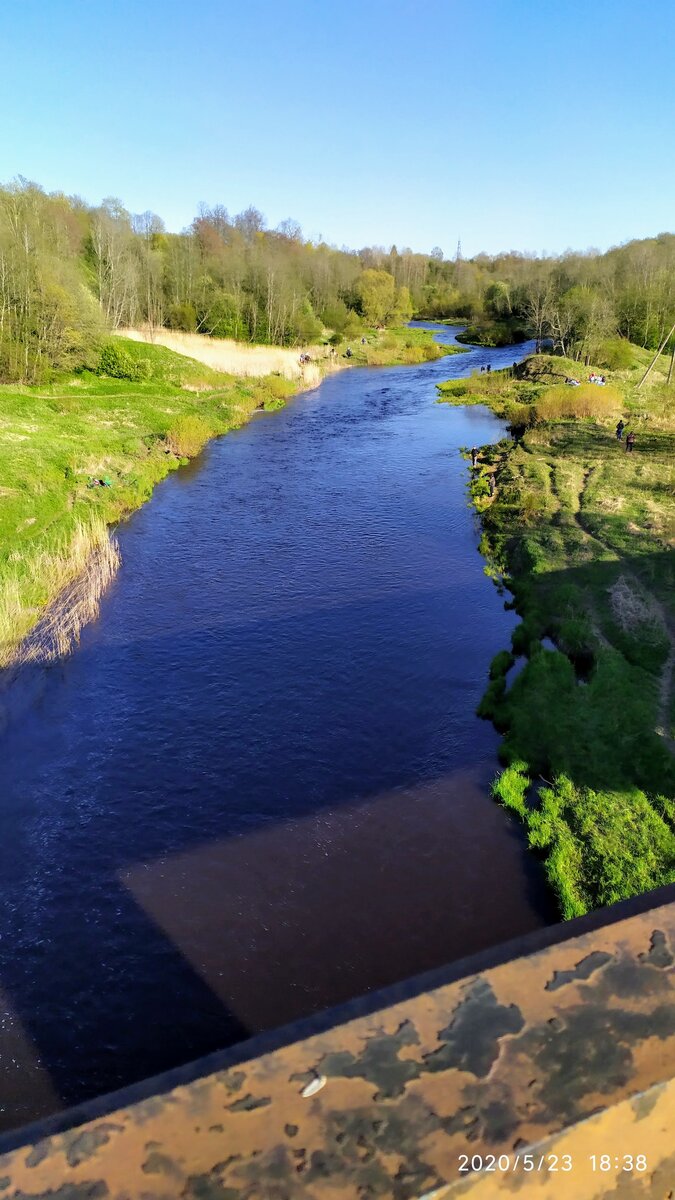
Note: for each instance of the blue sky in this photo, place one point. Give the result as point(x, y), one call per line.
point(511, 125)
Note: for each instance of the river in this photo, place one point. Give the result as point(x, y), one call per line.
point(259, 788)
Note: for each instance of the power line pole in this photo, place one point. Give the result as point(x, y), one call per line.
point(655, 359)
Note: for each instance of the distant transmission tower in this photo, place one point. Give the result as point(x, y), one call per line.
point(458, 256)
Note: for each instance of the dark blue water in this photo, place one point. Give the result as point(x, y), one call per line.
point(259, 787)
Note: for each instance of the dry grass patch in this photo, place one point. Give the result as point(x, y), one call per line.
point(587, 400)
point(632, 609)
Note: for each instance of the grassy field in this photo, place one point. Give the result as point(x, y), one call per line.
point(144, 412)
point(582, 534)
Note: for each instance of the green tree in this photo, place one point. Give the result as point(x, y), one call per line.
point(403, 307)
point(377, 293)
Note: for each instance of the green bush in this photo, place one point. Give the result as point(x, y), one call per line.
point(603, 846)
point(354, 326)
point(511, 786)
point(616, 354)
point(307, 327)
point(115, 362)
point(490, 702)
point(182, 316)
point(501, 664)
point(524, 638)
point(335, 316)
point(188, 435)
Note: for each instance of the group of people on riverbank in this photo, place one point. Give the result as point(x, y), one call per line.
point(592, 378)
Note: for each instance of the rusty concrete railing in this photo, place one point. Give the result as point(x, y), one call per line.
point(546, 1068)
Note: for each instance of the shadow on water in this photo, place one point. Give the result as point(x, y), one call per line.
point(259, 787)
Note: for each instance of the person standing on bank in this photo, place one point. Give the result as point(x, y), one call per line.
point(474, 457)
point(630, 442)
point(619, 430)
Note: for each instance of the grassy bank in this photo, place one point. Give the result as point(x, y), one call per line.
point(582, 533)
point(140, 415)
point(56, 440)
point(395, 347)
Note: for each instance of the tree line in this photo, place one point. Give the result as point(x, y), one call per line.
point(71, 272)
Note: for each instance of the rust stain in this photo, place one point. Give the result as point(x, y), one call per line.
point(569, 1051)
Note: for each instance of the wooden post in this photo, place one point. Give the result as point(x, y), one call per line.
point(655, 359)
point(670, 368)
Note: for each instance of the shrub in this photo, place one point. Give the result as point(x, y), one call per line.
point(188, 435)
point(511, 786)
point(354, 326)
point(490, 702)
point(279, 387)
point(223, 318)
point(306, 326)
point(524, 638)
point(616, 354)
point(603, 846)
point(182, 316)
point(501, 664)
point(117, 363)
point(335, 316)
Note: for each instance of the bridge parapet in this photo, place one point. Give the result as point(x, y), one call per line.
point(546, 1068)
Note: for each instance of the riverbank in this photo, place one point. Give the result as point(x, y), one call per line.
point(145, 412)
point(280, 691)
point(58, 443)
point(373, 348)
point(582, 534)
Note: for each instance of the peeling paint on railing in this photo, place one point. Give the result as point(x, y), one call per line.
point(566, 1053)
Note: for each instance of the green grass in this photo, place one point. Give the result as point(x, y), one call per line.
point(582, 534)
point(396, 347)
point(55, 439)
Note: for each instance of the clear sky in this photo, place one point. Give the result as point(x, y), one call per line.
point(511, 124)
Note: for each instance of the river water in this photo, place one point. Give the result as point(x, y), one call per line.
point(259, 787)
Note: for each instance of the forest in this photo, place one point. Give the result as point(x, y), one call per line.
point(70, 273)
